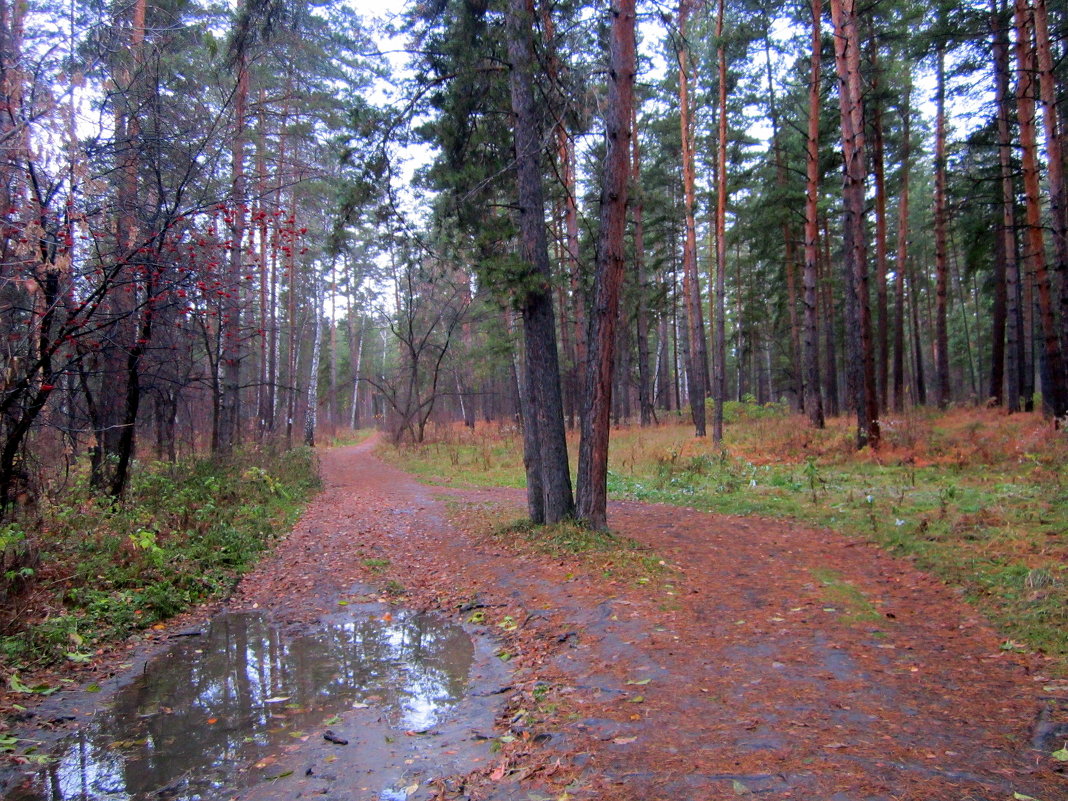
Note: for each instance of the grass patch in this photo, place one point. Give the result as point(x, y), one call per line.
point(975, 496)
point(185, 533)
point(846, 596)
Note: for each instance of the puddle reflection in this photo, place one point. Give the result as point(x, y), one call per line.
point(215, 704)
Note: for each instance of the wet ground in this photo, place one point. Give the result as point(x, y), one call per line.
point(224, 707)
point(774, 661)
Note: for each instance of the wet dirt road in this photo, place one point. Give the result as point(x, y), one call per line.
point(771, 660)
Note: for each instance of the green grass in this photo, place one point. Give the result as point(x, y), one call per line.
point(185, 533)
point(978, 498)
point(844, 595)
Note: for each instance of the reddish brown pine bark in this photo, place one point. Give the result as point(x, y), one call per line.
point(941, 263)
point(719, 389)
point(1058, 200)
point(810, 345)
point(859, 356)
point(1054, 392)
point(696, 374)
point(882, 349)
point(604, 311)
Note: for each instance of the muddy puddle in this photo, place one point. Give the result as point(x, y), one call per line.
point(223, 709)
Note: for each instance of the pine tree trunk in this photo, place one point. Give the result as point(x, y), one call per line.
point(811, 353)
point(941, 255)
point(830, 340)
point(719, 389)
point(550, 470)
point(1058, 199)
point(696, 377)
point(1054, 392)
point(1005, 330)
point(882, 360)
point(311, 405)
point(604, 311)
point(859, 355)
point(901, 263)
point(646, 410)
point(230, 322)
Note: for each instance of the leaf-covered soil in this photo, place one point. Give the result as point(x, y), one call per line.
point(759, 658)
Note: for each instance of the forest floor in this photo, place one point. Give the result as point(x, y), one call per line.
point(727, 656)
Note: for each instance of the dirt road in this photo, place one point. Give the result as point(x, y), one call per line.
point(762, 659)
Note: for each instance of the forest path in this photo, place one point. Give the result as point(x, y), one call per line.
point(772, 659)
point(761, 659)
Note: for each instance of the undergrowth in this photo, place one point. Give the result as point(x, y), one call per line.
point(184, 534)
point(604, 552)
point(975, 496)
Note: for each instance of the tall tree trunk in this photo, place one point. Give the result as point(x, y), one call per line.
point(789, 246)
point(1058, 195)
point(539, 324)
point(604, 311)
point(1054, 390)
point(941, 253)
point(811, 352)
point(917, 337)
point(882, 360)
point(696, 375)
point(311, 406)
point(230, 400)
point(356, 339)
point(830, 340)
point(901, 262)
point(646, 410)
point(1005, 332)
point(719, 389)
point(855, 268)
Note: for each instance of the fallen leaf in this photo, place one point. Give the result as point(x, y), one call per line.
point(1022, 797)
point(277, 699)
point(640, 681)
point(410, 789)
point(212, 721)
point(1061, 755)
point(636, 699)
point(739, 788)
point(623, 740)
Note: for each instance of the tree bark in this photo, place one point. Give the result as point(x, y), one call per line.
point(539, 323)
point(1005, 332)
point(230, 322)
point(941, 254)
point(719, 388)
point(811, 353)
point(901, 261)
point(604, 311)
point(859, 354)
point(882, 350)
point(1058, 197)
point(696, 375)
point(311, 395)
point(646, 410)
point(1054, 392)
